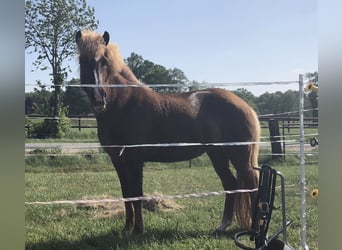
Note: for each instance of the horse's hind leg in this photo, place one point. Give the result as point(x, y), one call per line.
point(247, 178)
point(221, 166)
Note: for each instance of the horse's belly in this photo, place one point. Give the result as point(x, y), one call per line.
point(172, 154)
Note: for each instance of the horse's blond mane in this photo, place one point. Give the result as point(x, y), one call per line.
point(92, 45)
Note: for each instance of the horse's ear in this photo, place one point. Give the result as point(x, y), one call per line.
point(78, 36)
point(106, 37)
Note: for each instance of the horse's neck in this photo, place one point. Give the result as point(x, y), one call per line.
point(127, 74)
point(122, 79)
point(125, 77)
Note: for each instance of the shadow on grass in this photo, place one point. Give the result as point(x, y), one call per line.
point(117, 240)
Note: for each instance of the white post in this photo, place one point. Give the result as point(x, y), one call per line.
point(302, 163)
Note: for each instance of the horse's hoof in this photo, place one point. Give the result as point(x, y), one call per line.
point(223, 226)
point(218, 232)
point(127, 229)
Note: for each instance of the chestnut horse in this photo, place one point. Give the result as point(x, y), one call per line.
point(135, 114)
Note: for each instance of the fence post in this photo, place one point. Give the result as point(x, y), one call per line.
point(79, 123)
point(28, 131)
point(302, 162)
point(284, 146)
point(273, 126)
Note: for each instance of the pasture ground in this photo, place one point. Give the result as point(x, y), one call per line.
point(190, 227)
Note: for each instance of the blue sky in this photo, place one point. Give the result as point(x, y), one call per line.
point(212, 41)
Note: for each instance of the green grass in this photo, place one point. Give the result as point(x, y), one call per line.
point(74, 135)
point(192, 227)
point(56, 162)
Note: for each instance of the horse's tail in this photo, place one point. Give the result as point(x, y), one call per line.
point(248, 178)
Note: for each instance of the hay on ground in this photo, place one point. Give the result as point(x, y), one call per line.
point(116, 210)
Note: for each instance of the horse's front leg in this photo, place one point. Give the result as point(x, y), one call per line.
point(136, 187)
point(129, 215)
point(122, 172)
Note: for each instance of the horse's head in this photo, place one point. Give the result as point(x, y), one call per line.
point(97, 65)
point(101, 65)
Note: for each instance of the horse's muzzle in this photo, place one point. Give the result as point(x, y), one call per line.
point(100, 99)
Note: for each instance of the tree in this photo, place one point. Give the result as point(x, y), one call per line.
point(279, 102)
point(50, 28)
point(247, 96)
point(150, 73)
point(39, 101)
point(136, 63)
point(178, 77)
point(76, 100)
